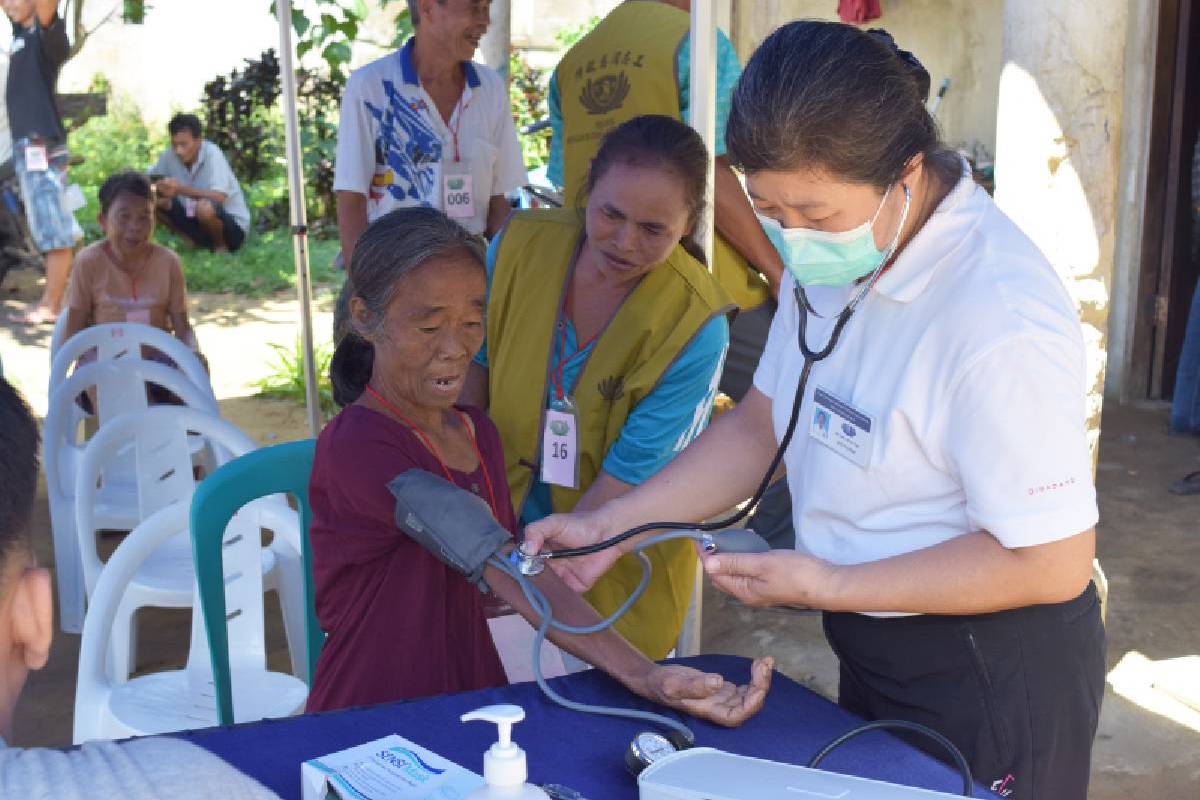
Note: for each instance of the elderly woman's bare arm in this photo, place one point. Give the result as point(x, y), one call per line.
point(704, 695)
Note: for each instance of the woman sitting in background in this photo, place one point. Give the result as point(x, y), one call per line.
point(126, 277)
point(400, 623)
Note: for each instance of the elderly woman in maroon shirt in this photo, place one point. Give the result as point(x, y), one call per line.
point(400, 623)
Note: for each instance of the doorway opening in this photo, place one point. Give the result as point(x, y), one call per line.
point(1170, 266)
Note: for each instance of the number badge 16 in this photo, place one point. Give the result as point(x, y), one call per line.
point(560, 448)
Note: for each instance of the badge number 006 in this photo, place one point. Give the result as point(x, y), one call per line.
point(458, 200)
point(560, 451)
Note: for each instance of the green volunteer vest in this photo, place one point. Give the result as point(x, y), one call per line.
point(624, 68)
point(653, 326)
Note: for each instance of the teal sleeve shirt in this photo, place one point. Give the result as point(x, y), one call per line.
point(658, 427)
point(729, 69)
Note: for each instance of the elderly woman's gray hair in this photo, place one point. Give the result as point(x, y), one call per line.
point(390, 248)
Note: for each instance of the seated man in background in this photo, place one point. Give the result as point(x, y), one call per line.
point(198, 195)
point(150, 767)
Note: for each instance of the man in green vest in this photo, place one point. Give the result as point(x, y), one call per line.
point(637, 61)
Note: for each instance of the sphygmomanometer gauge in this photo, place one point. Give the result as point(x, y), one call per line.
point(646, 748)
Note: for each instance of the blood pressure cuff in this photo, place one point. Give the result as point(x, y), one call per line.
point(454, 525)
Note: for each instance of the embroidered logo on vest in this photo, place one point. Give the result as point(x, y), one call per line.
point(611, 389)
point(604, 94)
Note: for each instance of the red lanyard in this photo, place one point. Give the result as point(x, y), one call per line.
point(556, 374)
point(460, 109)
point(429, 445)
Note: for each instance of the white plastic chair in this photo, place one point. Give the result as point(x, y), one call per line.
point(60, 330)
point(116, 504)
point(124, 341)
point(159, 439)
point(182, 699)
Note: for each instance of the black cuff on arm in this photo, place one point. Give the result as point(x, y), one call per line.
point(454, 525)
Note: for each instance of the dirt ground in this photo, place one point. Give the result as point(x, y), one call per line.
point(1149, 546)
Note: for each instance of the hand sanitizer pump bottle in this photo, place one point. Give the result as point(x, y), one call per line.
point(504, 770)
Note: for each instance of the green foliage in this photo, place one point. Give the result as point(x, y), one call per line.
point(567, 37)
point(245, 120)
point(134, 12)
point(241, 118)
point(110, 144)
point(122, 140)
point(527, 90)
point(286, 378)
point(335, 27)
point(118, 141)
point(264, 264)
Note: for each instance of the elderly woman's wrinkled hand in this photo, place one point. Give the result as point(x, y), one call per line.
point(708, 695)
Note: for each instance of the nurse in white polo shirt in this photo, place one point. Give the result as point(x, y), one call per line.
point(939, 471)
point(426, 126)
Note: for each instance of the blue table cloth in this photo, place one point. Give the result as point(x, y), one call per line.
point(582, 751)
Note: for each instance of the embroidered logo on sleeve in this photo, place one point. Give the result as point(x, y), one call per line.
point(1053, 486)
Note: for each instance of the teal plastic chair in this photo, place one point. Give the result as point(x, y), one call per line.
point(281, 468)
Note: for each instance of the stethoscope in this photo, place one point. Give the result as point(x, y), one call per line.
point(649, 746)
point(533, 563)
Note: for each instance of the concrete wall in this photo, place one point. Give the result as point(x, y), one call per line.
point(952, 38)
point(536, 22)
point(1058, 160)
point(164, 63)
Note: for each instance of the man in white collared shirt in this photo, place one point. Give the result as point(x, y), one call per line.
point(426, 126)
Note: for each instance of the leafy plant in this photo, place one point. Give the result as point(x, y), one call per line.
point(567, 37)
point(286, 378)
point(239, 115)
point(335, 27)
point(246, 122)
point(527, 90)
point(109, 144)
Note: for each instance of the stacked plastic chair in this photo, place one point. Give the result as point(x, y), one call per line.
point(137, 473)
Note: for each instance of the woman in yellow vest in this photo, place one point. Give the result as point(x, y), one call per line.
point(605, 340)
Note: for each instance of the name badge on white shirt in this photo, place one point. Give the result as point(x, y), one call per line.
point(458, 199)
point(560, 447)
point(35, 158)
point(842, 428)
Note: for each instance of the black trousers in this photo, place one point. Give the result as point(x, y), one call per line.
point(1017, 691)
point(191, 228)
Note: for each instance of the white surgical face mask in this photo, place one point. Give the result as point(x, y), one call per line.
point(832, 259)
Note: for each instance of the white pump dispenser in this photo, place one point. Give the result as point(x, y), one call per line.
point(504, 770)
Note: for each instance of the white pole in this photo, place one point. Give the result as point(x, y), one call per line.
point(494, 46)
point(702, 113)
point(299, 220)
point(703, 104)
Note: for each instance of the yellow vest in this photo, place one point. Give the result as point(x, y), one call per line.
point(654, 324)
point(624, 68)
